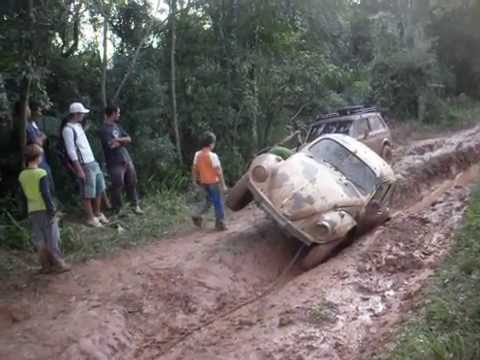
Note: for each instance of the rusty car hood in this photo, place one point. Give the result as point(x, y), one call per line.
point(302, 186)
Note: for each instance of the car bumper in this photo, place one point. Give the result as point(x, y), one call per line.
point(285, 224)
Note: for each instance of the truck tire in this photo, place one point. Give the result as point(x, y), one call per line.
point(239, 196)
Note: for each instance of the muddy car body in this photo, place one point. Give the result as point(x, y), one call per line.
point(320, 195)
point(364, 124)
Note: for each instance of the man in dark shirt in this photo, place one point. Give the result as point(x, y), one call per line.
point(119, 163)
point(35, 136)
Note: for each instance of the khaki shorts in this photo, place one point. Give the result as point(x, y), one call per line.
point(94, 183)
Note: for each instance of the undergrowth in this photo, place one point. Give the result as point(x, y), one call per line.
point(448, 322)
point(165, 213)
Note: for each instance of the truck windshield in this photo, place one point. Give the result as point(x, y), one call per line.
point(330, 127)
point(345, 162)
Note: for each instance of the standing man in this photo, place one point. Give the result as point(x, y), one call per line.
point(35, 136)
point(207, 173)
point(87, 170)
point(119, 163)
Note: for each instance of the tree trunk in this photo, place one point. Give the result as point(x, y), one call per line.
point(105, 60)
point(22, 116)
point(173, 91)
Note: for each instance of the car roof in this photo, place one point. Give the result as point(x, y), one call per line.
point(379, 166)
point(351, 117)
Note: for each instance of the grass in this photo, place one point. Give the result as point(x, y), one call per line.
point(324, 311)
point(455, 115)
point(166, 212)
point(447, 324)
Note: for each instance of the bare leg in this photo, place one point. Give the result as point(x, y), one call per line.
point(97, 205)
point(87, 205)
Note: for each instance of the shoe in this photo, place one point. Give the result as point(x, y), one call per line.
point(103, 219)
point(44, 261)
point(220, 226)
point(138, 210)
point(62, 267)
point(45, 270)
point(94, 222)
point(197, 221)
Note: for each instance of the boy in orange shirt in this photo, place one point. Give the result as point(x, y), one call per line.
point(207, 173)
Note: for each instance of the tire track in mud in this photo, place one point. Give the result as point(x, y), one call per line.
point(417, 238)
point(137, 305)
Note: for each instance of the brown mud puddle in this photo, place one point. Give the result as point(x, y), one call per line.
point(150, 303)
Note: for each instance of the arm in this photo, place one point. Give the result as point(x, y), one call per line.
point(47, 196)
point(35, 136)
point(70, 146)
point(124, 140)
point(41, 139)
point(222, 178)
point(218, 166)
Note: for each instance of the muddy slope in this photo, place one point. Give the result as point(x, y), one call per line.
point(178, 299)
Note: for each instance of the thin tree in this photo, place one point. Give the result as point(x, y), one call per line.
point(173, 33)
point(22, 115)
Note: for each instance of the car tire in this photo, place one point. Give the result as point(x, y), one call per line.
point(387, 153)
point(239, 196)
point(318, 254)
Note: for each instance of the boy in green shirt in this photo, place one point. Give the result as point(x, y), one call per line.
point(41, 211)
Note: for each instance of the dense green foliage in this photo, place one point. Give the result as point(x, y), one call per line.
point(251, 71)
point(449, 323)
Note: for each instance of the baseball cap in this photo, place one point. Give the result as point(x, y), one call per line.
point(77, 107)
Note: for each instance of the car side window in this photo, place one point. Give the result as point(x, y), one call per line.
point(375, 123)
point(314, 133)
point(361, 127)
point(381, 193)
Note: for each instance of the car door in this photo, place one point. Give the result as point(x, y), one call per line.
point(361, 131)
point(378, 133)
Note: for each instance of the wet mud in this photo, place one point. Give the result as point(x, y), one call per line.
point(182, 298)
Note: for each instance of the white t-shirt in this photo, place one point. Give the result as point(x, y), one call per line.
point(213, 157)
point(82, 144)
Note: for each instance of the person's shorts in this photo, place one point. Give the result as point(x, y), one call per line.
point(94, 183)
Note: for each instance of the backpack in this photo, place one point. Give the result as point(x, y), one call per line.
point(61, 149)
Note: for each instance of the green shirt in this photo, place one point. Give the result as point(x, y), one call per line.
point(30, 181)
point(281, 151)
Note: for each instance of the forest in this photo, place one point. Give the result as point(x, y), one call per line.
point(251, 71)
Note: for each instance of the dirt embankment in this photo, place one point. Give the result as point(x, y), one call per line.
point(150, 303)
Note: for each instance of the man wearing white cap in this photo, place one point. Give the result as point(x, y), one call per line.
point(91, 180)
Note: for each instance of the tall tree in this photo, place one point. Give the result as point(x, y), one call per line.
point(173, 84)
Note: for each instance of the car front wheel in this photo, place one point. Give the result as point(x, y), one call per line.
point(239, 196)
point(317, 254)
point(387, 153)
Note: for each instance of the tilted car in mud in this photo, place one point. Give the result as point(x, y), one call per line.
point(322, 195)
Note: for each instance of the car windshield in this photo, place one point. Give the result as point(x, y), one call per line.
point(346, 162)
point(331, 127)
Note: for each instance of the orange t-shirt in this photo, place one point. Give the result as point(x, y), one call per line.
point(206, 164)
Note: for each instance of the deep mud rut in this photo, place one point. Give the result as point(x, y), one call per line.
point(182, 298)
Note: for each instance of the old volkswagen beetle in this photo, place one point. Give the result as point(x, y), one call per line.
point(322, 195)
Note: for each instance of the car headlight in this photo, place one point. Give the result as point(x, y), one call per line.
point(323, 228)
point(259, 174)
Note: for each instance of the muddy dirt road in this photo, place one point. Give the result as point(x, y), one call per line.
point(186, 297)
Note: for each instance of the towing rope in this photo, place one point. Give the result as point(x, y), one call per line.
point(265, 293)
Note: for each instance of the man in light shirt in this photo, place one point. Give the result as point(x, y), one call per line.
point(86, 168)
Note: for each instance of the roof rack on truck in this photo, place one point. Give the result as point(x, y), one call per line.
point(357, 109)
